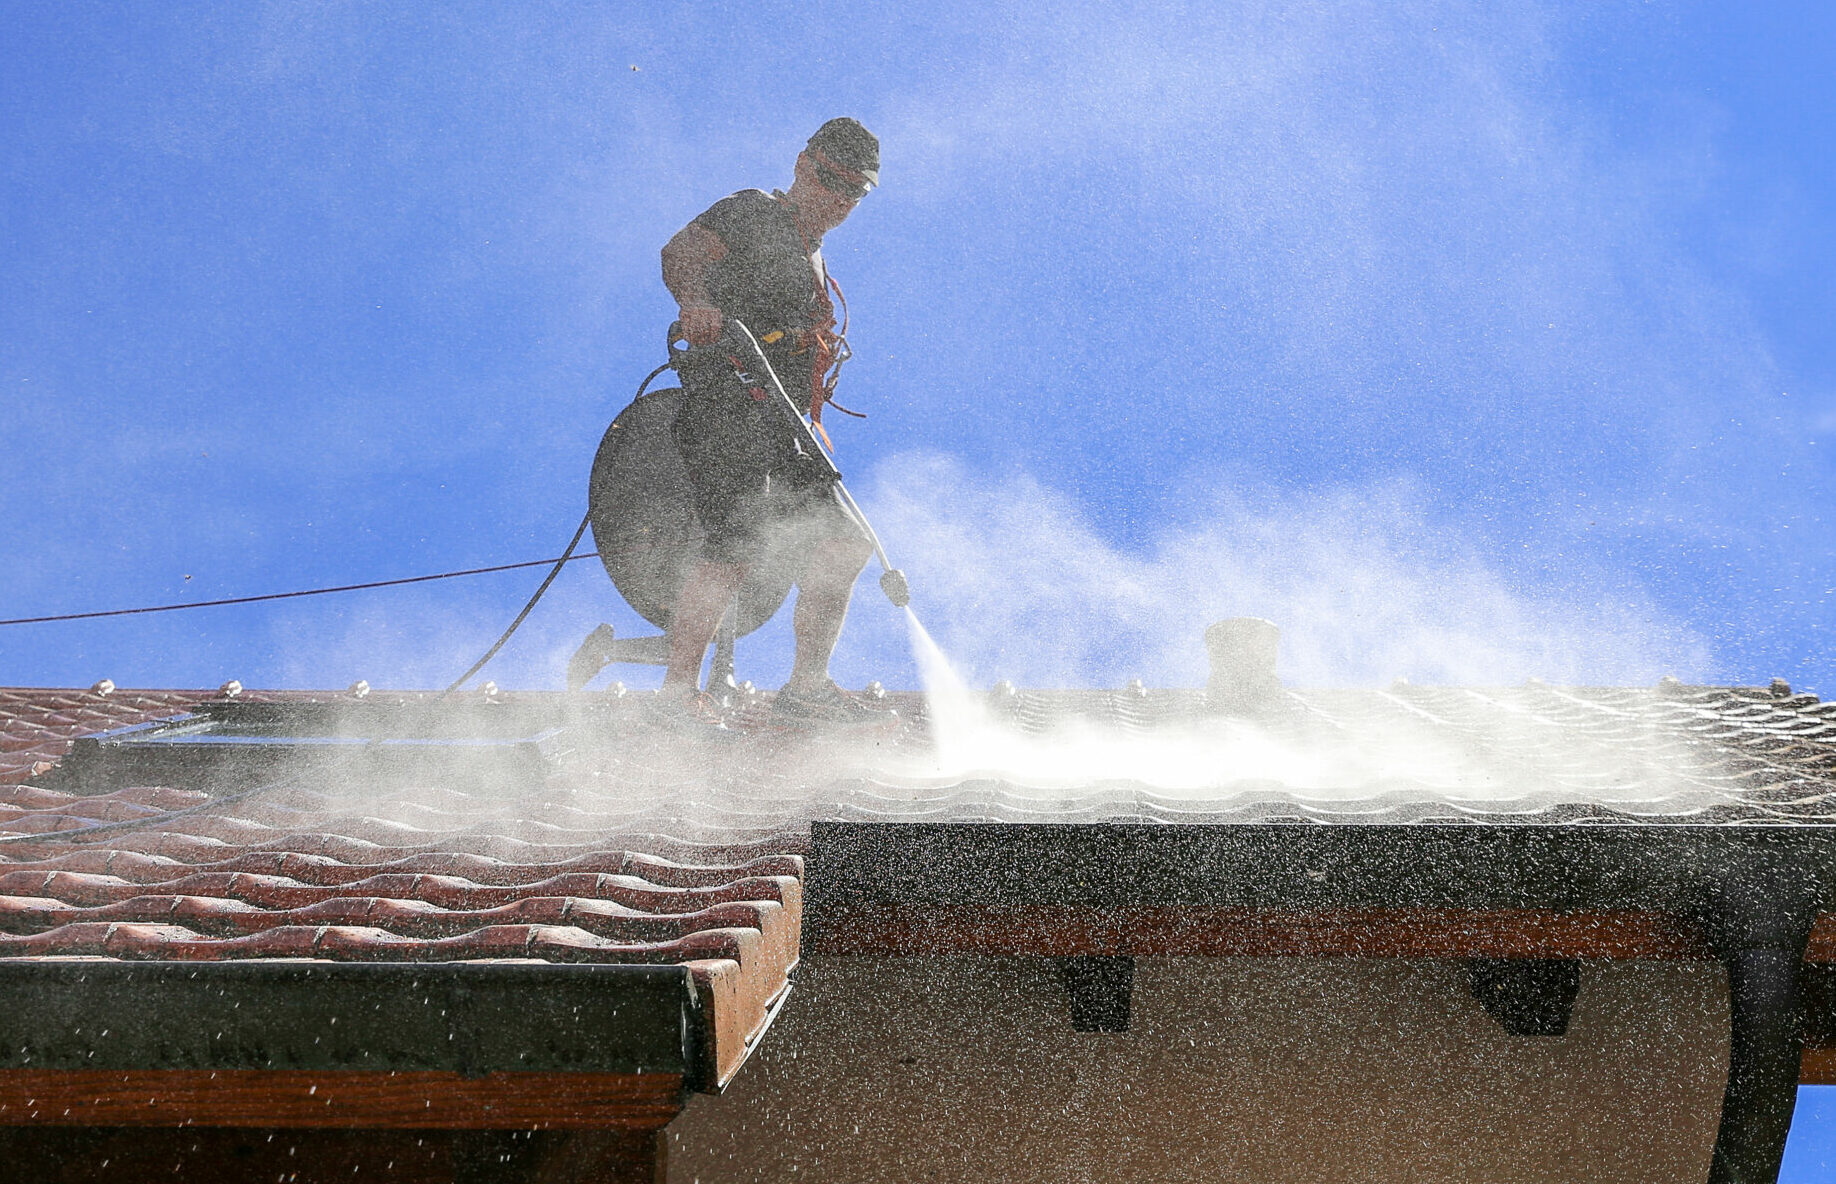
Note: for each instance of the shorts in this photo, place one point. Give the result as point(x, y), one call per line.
point(755, 491)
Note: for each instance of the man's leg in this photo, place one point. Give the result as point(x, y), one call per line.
point(824, 588)
point(704, 598)
point(727, 460)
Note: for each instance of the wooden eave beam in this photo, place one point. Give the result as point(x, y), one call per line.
point(369, 1099)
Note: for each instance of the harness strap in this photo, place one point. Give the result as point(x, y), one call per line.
point(827, 344)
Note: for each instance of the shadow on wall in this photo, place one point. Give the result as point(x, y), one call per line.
point(1284, 1071)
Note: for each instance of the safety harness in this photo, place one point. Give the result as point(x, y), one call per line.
point(824, 340)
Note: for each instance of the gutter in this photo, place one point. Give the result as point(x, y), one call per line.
point(1759, 925)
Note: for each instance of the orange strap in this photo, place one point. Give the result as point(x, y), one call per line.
point(827, 345)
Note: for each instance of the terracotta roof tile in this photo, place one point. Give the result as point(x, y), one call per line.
point(618, 853)
point(37, 725)
point(550, 869)
point(345, 874)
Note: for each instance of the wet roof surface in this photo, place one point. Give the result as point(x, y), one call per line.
point(504, 837)
point(1532, 753)
point(323, 869)
point(633, 844)
point(1406, 753)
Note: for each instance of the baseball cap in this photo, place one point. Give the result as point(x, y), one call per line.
point(853, 149)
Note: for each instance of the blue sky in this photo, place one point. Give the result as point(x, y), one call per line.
point(1810, 1151)
point(1468, 342)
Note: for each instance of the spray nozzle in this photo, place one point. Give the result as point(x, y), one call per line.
point(892, 582)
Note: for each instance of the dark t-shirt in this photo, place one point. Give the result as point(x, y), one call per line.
point(767, 279)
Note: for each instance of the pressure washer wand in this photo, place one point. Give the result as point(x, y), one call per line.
point(892, 580)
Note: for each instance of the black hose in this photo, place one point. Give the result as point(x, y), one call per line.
point(527, 609)
point(892, 581)
point(552, 572)
point(130, 824)
point(1764, 1051)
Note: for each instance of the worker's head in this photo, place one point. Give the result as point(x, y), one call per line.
point(836, 168)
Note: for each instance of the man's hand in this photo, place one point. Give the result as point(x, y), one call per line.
point(702, 325)
point(686, 260)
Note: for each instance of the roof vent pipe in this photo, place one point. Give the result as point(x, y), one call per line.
point(1242, 663)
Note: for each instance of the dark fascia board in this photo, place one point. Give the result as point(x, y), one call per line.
point(1666, 867)
point(467, 1018)
point(340, 743)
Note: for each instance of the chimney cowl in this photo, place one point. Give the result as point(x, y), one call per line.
point(1243, 651)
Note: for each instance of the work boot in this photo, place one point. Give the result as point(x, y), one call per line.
point(827, 704)
point(593, 656)
point(696, 716)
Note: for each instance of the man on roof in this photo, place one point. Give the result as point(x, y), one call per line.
point(756, 258)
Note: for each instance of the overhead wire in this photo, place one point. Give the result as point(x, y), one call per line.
point(566, 555)
point(504, 638)
point(129, 824)
point(171, 608)
point(559, 562)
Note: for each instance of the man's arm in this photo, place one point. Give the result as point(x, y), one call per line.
point(686, 260)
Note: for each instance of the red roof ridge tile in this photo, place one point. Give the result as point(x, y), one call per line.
point(91, 889)
point(553, 943)
point(227, 916)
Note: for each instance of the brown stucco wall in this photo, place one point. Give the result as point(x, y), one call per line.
point(1291, 1070)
